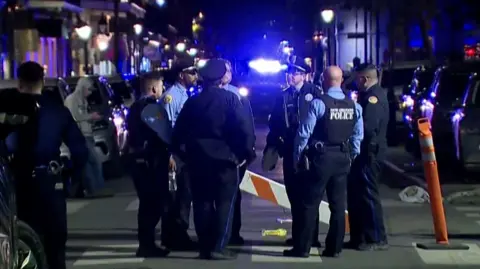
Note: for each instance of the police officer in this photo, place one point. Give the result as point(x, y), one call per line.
point(174, 231)
point(236, 239)
point(367, 230)
point(36, 150)
point(149, 167)
point(332, 131)
point(289, 107)
point(216, 139)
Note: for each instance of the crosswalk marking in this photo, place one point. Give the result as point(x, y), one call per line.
point(473, 215)
point(450, 257)
point(467, 208)
point(117, 254)
point(274, 254)
point(75, 206)
point(133, 205)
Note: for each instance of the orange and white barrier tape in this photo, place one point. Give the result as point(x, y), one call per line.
point(275, 192)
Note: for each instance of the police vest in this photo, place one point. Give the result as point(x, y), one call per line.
point(336, 125)
point(298, 102)
point(139, 132)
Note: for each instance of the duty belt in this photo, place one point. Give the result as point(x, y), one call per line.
point(322, 147)
point(53, 168)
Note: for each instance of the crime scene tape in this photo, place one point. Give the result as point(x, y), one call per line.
point(274, 192)
point(277, 232)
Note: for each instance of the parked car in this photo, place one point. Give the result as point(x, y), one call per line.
point(465, 120)
point(20, 246)
point(437, 105)
point(122, 89)
point(109, 133)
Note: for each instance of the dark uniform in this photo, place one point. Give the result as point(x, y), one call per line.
point(237, 215)
point(40, 195)
point(149, 170)
point(289, 107)
point(330, 136)
point(213, 132)
point(367, 230)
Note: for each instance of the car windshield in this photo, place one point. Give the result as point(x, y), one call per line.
point(122, 89)
point(451, 87)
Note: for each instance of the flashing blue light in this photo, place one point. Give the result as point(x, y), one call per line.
point(416, 43)
point(470, 41)
point(468, 27)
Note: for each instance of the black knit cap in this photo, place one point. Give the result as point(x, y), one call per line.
point(214, 69)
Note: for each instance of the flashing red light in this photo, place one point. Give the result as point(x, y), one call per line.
point(470, 52)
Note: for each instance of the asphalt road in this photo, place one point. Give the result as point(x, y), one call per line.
point(102, 234)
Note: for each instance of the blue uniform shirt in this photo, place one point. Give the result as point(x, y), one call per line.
point(315, 112)
point(173, 100)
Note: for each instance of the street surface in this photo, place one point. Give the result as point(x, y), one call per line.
point(102, 234)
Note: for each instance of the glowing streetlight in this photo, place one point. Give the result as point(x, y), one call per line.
point(138, 29)
point(84, 32)
point(192, 52)
point(161, 3)
point(181, 47)
point(200, 15)
point(327, 15)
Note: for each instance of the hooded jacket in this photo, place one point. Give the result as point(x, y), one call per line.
point(78, 106)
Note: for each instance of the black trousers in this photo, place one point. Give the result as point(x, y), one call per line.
point(364, 207)
point(177, 219)
point(328, 172)
point(44, 209)
point(237, 214)
point(150, 177)
point(214, 189)
point(291, 179)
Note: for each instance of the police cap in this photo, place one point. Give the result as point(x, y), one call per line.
point(184, 64)
point(214, 69)
point(30, 72)
point(299, 67)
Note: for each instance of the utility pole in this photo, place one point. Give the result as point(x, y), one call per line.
point(116, 37)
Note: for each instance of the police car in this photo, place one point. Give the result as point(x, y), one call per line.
point(110, 134)
point(421, 81)
point(20, 246)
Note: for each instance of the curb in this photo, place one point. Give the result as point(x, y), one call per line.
point(395, 177)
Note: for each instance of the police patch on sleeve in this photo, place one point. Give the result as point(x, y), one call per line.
point(308, 97)
point(372, 99)
point(168, 99)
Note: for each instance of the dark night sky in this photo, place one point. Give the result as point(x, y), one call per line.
point(237, 25)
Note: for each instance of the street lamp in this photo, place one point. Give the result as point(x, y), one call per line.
point(161, 3)
point(327, 15)
point(84, 32)
point(138, 29)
